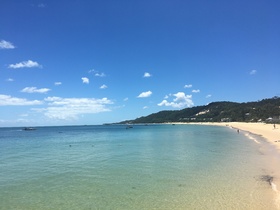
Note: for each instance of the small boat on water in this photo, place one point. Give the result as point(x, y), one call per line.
point(129, 126)
point(29, 129)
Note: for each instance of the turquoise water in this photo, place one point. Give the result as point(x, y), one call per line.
point(146, 167)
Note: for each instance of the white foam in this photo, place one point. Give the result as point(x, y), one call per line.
point(274, 187)
point(277, 199)
point(252, 138)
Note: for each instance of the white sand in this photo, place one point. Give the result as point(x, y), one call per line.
point(267, 131)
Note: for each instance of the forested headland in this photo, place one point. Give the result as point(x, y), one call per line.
point(266, 110)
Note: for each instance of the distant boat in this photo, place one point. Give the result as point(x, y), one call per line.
point(129, 126)
point(29, 129)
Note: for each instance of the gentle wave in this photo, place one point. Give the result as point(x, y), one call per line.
point(252, 138)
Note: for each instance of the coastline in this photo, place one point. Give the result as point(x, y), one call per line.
point(271, 133)
point(267, 131)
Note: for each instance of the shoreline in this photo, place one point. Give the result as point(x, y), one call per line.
point(267, 131)
point(271, 135)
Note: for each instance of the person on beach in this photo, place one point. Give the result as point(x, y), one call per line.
point(237, 130)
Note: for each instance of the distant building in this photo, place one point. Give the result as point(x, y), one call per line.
point(226, 119)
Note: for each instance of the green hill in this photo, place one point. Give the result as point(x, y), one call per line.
point(265, 110)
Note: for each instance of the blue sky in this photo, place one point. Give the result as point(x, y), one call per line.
point(95, 61)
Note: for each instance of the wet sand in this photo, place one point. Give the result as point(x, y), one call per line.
point(267, 131)
point(271, 133)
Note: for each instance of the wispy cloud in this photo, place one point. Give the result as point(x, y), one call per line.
point(181, 100)
point(103, 87)
point(72, 108)
point(166, 96)
point(10, 80)
point(209, 96)
point(188, 86)
point(57, 83)
point(145, 107)
point(24, 115)
point(35, 90)
point(25, 64)
point(252, 72)
point(100, 74)
point(6, 45)
point(85, 80)
point(7, 100)
point(146, 74)
point(96, 73)
point(41, 5)
point(196, 91)
point(16, 121)
point(125, 99)
point(145, 94)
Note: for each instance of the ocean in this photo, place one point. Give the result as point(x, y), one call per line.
point(144, 167)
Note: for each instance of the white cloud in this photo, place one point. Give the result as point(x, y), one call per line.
point(196, 91)
point(188, 86)
point(145, 94)
point(209, 96)
point(41, 5)
point(24, 115)
point(57, 83)
point(6, 100)
point(6, 45)
point(146, 74)
point(71, 108)
point(253, 72)
point(25, 64)
point(10, 80)
point(35, 90)
point(103, 87)
point(85, 80)
point(96, 73)
point(181, 100)
point(99, 74)
point(145, 107)
point(20, 120)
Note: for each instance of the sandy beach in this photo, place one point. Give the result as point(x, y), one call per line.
point(270, 132)
point(267, 131)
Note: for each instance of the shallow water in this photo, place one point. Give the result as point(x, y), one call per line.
point(146, 167)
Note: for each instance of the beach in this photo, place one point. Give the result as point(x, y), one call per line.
point(267, 131)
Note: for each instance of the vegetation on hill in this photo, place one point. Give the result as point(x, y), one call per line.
point(265, 110)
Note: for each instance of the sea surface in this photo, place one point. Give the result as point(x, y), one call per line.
point(144, 167)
